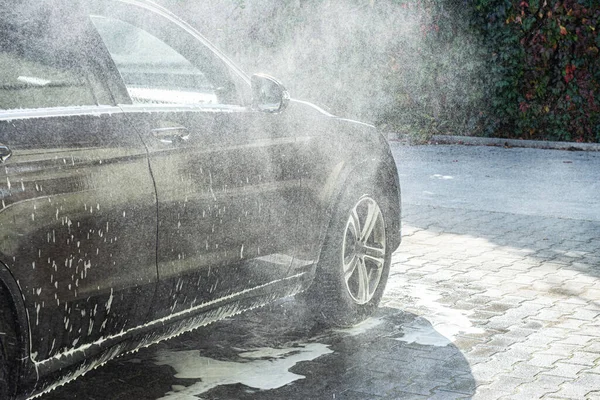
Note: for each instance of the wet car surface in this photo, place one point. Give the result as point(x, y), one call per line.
point(150, 187)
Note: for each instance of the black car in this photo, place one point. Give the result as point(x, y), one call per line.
point(148, 187)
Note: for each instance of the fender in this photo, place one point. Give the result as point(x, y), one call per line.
point(26, 370)
point(384, 173)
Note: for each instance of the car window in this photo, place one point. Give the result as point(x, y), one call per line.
point(153, 71)
point(34, 74)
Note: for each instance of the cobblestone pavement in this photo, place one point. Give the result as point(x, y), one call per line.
point(528, 286)
point(480, 304)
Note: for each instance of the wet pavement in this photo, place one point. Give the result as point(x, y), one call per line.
point(494, 293)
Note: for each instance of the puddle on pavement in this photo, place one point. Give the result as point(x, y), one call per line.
point(421, 331)
point(361, 328)
point(441, 324)
point(262, 368)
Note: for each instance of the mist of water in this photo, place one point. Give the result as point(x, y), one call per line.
point(387, 62)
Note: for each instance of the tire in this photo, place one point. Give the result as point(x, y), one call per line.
point(355, 259)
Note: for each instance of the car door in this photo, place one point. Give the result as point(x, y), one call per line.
point(78, 206)
point(226, 187)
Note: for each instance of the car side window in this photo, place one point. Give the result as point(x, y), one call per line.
point(153, 71)
point(36, 72)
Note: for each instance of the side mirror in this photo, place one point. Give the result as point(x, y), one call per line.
point(268, 95)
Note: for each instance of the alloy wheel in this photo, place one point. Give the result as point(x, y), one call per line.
point(363, 250)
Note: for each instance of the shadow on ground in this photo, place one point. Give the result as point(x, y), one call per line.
point(279, 352)
point(565, 243)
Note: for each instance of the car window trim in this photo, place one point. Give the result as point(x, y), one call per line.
point(72, 111)
point(136, 108)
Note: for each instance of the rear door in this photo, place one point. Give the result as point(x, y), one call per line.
point(78, 208)
point(225, 183)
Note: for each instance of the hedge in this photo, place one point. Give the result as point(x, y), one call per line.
point(543, 56)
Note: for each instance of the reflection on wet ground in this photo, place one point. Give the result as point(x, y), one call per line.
point(263, 368)
point(279, 352)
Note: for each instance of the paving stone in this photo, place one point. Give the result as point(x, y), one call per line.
point(484, 372)
point(353, 395)
point(594, 328)
point(467, 343)
point(480, 315)
point(579, 388)
point(515, 299)
point(543, 299)
point(498, 307)
point(463, 305)
point(483, 351)
point(544, 360)
point(441, 276)
point(521, 351)
point(439, 394)
point(593, 346)
point(575, 339)
point(565, 370)
point(390, 367)
point(570, 323)
point(461, 383)
point(506, 383)
point(519, 332)
point(552, 333)
point(485, 393)
point(530, 390)
point(377, 386)
point(594, 370)
point(587, 315)
point(583, 358)
point(551, 314)
point(422, 387)
point(503, 341)
point(592, 294)
point(577, 300)
point(407, 354)
point(565, 350)
point(498, 365)
point(401, 395)
point(550, 382)
point(525, 371)
point(513, 315)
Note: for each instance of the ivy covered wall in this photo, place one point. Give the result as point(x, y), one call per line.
point(545, 63)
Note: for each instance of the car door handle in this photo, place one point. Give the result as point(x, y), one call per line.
point(5, 152)
point(172, 134)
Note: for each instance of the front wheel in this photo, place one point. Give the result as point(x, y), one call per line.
point(355, 260)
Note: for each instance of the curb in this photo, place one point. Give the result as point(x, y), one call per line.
point(479, 141)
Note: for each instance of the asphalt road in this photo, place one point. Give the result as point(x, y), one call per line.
point(557, 183)
point(493, 294)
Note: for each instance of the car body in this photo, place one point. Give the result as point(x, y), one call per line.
point(148, 187)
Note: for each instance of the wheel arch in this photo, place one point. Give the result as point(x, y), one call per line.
point(332, 303)
point(382, 171)
point(11, 299)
